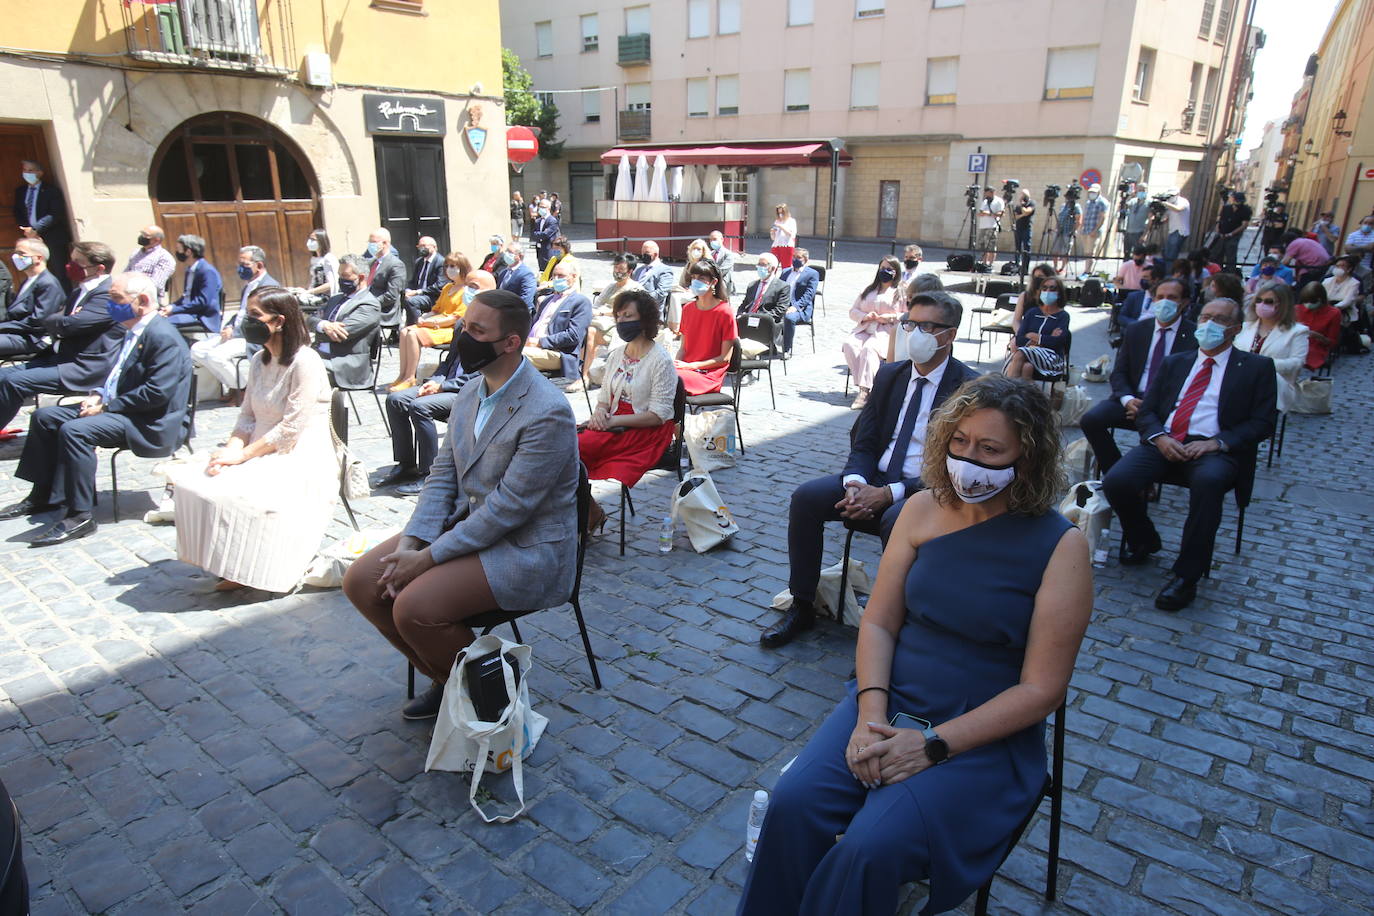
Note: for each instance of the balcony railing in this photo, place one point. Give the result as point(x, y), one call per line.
point(634, 125)
point(634, 49)
point(223, 34)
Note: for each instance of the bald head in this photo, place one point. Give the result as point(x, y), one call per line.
point(481, 280)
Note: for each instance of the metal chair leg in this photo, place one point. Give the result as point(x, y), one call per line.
point(624, 519)
point(515, 630)
point(114, 485)
point(771, 395)
point(586, 643)
point(386, 424)
point(1056, 806)
point(410, 681)
point(1240, 526)
point(844, 571)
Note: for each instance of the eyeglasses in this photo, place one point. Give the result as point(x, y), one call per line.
point(928, 327)
point(1268, 301)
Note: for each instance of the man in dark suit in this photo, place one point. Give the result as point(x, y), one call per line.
point(40, 209)
point(767, 295)
point(343, 328)
point(413, 411)
point(802, 282)
point(515, 275)
point(86, 339)
point(560, 325)
point(386, 276)
point(546, 229)
point(1203, 419)
point(1137, 299)
point(427, 279)
point(141, 405)
point(201, 292)
point(39, 296)
point(885, 456)
point(1143, 349)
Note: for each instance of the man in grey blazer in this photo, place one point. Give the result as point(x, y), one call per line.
point(496, 523)
point(343, 327)
point(386, 276)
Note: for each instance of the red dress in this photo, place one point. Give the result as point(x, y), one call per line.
point(704, 334)
point(1325, 321)
point(626, 455)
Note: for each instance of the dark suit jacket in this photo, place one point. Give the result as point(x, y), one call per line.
point(877, 422)
point(1131, 308)
point(804, 293)
point(776, 298)
point(450, 375)
point(389, 285)
point(521, 281)
point(1134, 355)
point(349, 360)
point(35, 302)
point(1246, 409)
point(51, 210)
point(567, 330)
point(88, 340)
point(153, 390)
point(430, 285)
point(545, 231)
point(201, 297)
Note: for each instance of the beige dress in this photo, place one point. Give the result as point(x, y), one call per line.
point(260, 523)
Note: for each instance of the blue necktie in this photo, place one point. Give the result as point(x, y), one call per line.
point(903, 441)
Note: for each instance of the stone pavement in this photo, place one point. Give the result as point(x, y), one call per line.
point(171, 750)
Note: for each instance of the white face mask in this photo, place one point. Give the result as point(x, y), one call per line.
point(452, 273)
point(312, 245)
point(1338, 273)
point(922, 347)
point(974, 482)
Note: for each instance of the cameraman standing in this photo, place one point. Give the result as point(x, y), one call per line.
point(1275, 225)
point(1023, 213)
point(989, 221)
point(1094, 217)
point(1067, 224)
point(1180, 224)
point(1231, 224)
point(1137, 218)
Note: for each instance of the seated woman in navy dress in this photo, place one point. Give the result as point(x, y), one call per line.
point(962, 633)
point(1041, 344)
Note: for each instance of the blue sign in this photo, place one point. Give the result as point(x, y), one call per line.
point(978, 162)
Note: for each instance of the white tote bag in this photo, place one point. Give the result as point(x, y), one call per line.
point(701, 509)
point(328, 568)
point(463, 742)
point(1087, 507)
point(711, 442)
point(1314, 397)
point(1076, 403)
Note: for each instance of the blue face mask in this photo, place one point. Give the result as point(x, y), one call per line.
point(508, 259)
point(560, 285)
point(245, 272)
point(1049, 297)
point(700, 286)
point(1166, 310)
point(373, 248)
point(715, 245)
point(468, 295)
point(1140, 195)
point(763, 271)
point(1210, 335)
point(495, 247)
point(120, 311)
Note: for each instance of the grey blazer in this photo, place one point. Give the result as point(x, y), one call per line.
point(349, 360)
point(510, 496)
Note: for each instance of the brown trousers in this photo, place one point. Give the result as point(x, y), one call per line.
point(424, 621)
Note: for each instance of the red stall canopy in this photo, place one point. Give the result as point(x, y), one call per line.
point(784, 153)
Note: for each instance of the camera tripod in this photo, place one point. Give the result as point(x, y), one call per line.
point(1050, 234)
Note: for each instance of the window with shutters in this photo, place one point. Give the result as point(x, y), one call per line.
point(727, 95)
point(1144, 73)
point(543, 39)
point(1069, 73)
point(591, 106)
point(942, 77)
point(800, 12)
point(637, 20)
point(1204, 114)
point(698, 103)
point(591, 33)
point(637, 97)
point(863, 86)
point(1228, 10)
point(727, 17)
point(796, 90)
point(698, 18)
point(1209, 10)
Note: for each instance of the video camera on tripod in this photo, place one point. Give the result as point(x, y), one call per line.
point(971, 196)
point(1052, 192)
point(1157, 208)
point(1009, 187)
point(1073, 191)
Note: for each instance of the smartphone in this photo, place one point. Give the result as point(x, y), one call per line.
point(487, 686)
point(902, 720)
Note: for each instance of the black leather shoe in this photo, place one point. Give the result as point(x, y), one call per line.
point(426, 705)
point(799, 618)
point(398, 476)
point(411, 489)
point(61, 534)
point(1129, 557)
point(1177, 595)
point(23, 509)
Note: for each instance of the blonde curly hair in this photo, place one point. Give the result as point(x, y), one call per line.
point(1039, 476)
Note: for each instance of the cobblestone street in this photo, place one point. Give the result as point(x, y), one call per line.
point(172, 750)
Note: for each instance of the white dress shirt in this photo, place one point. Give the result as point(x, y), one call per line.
point(87, 287)
point(1204, 421)
point(111, 386)
point(1170, 332)
point(541, 324)
point(915, 452)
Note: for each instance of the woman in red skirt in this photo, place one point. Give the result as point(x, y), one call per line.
point(633, 420)
point(708, 331)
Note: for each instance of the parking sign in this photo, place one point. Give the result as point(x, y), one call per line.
point(978, 162)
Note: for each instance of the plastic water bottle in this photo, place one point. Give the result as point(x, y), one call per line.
point(757, 809)
point(665, 535)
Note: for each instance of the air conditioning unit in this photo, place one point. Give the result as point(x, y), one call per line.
point(319, 70)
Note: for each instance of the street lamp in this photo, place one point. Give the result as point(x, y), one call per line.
point(1307, 148)
point(1338, 125)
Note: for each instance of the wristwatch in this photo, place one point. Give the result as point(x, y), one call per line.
point(936, 748)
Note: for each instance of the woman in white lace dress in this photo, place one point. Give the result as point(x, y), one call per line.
point(256, 512)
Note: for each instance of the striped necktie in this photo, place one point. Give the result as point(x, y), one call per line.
point(1183, 414)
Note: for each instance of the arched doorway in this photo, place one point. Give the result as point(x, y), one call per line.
point(236, 180)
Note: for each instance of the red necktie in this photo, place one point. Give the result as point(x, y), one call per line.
point(372, 271)
point(763, 286)
point(1184, 412)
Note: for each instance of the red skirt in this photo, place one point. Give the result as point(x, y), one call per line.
point(702, 381)
point(624, 456)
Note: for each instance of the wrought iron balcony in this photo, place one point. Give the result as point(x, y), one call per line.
point(634, 125)
point(634, 49)
point(219, 34)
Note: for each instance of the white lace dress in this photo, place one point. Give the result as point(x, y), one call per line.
point(260, 523)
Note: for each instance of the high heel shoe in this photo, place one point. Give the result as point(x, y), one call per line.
point(596, 519)
point(402, 384)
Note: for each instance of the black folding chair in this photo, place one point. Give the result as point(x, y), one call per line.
point(762, 328)
point(338, 420)
point(697, 402)
point(1243, 489)
point(492, 619)
point(374, 351)
point(820, 293)
point(188, 429)
point(1276, 440)
point(1006, 302)
point(671, 459)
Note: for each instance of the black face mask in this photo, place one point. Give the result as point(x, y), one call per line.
point(886, 275)
point(646, 258)
point(181, 255)
point(255, 332)
point(475, 354)
point(912, 263)
point(143, 241)
point(1139, 260)
point(348, 287)
point(628, 330)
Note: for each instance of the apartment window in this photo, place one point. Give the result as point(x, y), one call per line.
point(727, 17)
point(698, 104)
point(698, 18)
point(942, 78)
point(1194, 90)
point(1069, 73)
point(1209, 10)
point(734, 184)
point(796, 90)
point(866, 9)
point(637, 20)
point(399, 6)
point(1228, 9)
point(1204, 113)
point(591, 33)
point(863, 86)
point(591, 105)
point(942, 4)
point(637, 97)
point(543, 39)
point(800, 12)
point(1144, 72)
point(727, 95)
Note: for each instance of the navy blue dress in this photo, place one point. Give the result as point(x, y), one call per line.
point(969, 596)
